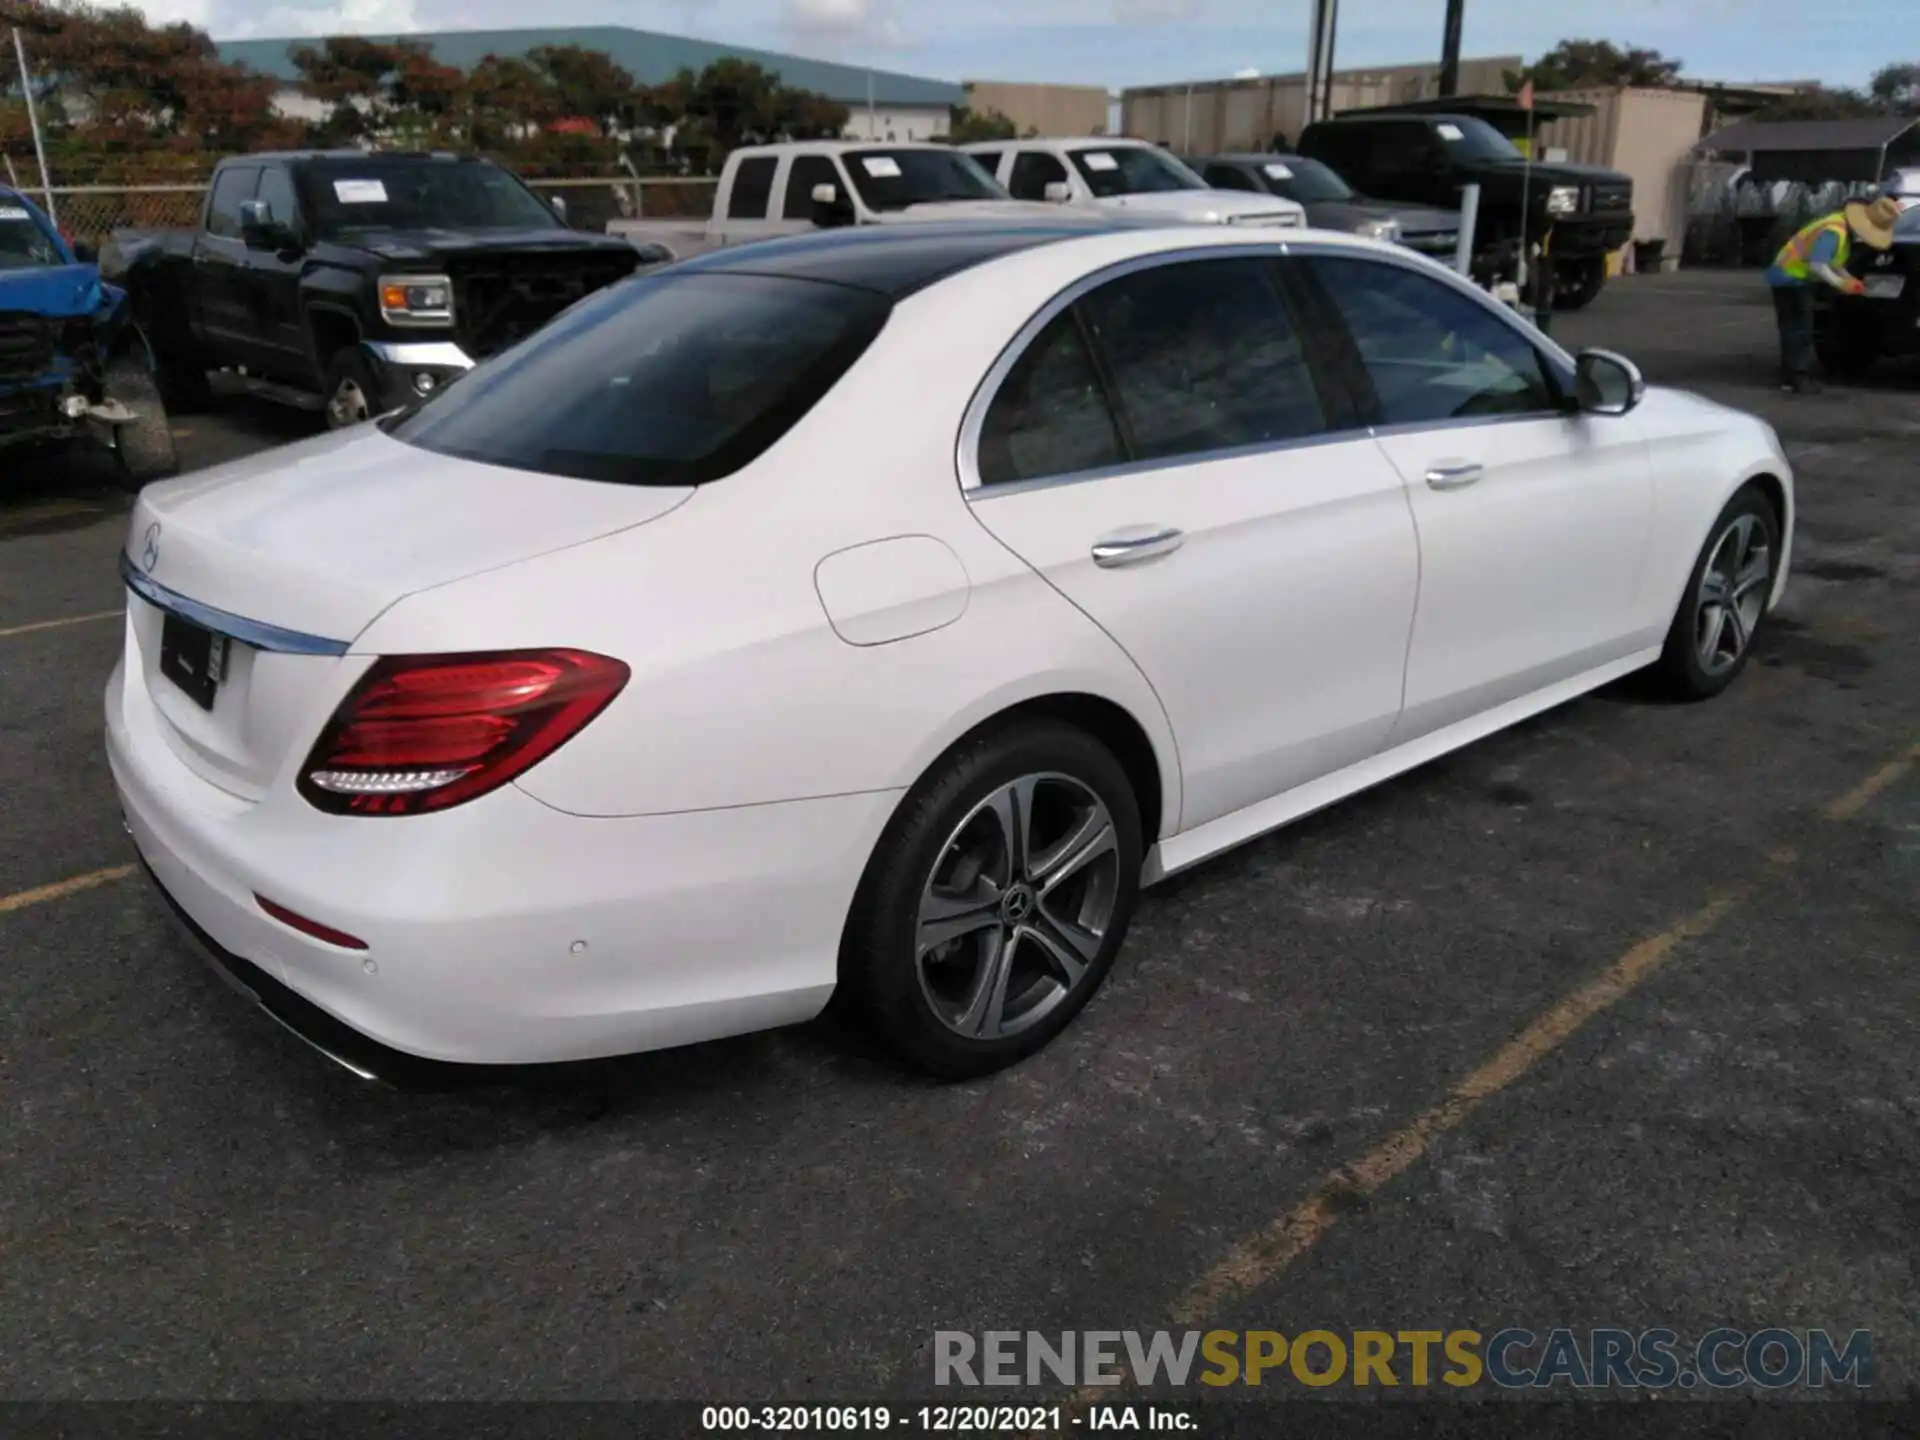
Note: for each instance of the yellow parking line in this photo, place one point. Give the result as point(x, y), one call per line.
point(60, 889)
point(56, 624)
point(1857, 799)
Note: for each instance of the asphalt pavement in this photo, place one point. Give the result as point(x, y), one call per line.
point(1609, 1020)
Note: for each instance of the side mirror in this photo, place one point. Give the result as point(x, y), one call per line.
point(829, 210)
point(559, 204)
point(1058, 192)
point(1606, 383)
point(260, 230)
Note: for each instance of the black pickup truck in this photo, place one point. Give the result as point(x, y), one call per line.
point(1425, 159)
point(351, 282)
point(1853, 332)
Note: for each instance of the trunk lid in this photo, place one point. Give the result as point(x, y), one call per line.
point(293, 553)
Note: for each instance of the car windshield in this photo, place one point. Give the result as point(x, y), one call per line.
point(24, 244)
point(1907, 227)
point(344, 196)
point(670, 379)
point(1471, 139)
point(1304, 180)
point(1133, 170)
point(895, 179)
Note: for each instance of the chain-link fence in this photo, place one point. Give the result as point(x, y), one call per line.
point(93, 212)
point(1735, 220)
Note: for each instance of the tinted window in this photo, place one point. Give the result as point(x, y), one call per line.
point(1203, 358)
point(1228, 177)
point(1033, 171)
point(895, 179)
point(1133, 170)
point(1307, 181)
point(390, 193)
point(674, 379)
point(1050, 416)
point(276, 188)
point(229, 189)
point(1432, 352)
point(24, 243)
point(1471, 139)
point(989, 160)
point(752, 189)
point(803, 174)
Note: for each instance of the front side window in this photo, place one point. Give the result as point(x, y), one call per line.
point(803, 173)
point(1050, 415)
point(348, 197)
point(276, 189)
point(752, 189)
point(25, 244)
point(1431, 352)
point(233, 185)
point(894, 179)
point(1203, 357)
point(672, 379)
point(1133, 170)
point(1033, 171)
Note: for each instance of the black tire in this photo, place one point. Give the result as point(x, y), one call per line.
point(350, 368)
point(1578, 284)
point(184, 385)
point(144, 444)
point(1682, 673)
point(931, 842)
point(1850, 356)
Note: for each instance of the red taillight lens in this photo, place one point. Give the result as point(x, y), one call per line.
point(423, 732)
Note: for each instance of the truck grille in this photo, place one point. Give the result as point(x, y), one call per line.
point(499, 302)
point(28, 344)
point(1612, 199)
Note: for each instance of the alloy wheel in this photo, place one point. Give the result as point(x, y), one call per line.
point(1019, 903)
point(1733, 594)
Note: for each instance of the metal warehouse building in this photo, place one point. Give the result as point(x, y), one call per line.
point(883, 104)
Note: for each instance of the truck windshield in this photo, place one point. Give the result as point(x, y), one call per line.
point(671, 379)
point(24, 245)
point(1308, 181)
point(895, 179)
point(394, 193)
point(1469, 139)
point(1132, 170)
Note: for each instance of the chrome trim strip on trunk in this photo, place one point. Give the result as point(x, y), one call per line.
point(259, 635)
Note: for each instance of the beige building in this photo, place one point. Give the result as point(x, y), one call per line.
point(1053, 110)
point(1208, 116)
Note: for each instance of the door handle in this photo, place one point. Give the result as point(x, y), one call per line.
point(1134, 544)
point(1454, 475)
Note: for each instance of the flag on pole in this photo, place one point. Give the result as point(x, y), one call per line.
point(1526, 96)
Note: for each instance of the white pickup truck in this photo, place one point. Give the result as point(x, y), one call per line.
point(1125, 175)
point(786, 189)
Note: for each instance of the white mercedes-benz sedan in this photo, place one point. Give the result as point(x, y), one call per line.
point(869, 615)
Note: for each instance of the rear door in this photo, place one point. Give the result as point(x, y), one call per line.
point(1163, 453)
point(223, 302)
point(750, 200)
point(1533, 521)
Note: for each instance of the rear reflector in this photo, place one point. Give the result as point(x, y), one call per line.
point(425, 732)
point(295, 921)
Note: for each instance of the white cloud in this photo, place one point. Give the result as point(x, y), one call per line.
point(864, 22)
point(167, 12)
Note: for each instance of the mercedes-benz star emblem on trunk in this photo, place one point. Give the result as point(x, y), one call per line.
point(150, 550)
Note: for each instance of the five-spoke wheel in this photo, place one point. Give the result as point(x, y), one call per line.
point(1725, 605)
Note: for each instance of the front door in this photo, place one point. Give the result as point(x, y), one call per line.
point(1533, 521)
point(1163, 455)
point(222, 301)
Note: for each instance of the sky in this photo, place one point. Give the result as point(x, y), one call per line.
point(1139, 42)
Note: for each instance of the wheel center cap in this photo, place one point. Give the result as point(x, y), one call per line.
point(1016, 905)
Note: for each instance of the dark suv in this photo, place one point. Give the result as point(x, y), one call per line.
point(1585, 212)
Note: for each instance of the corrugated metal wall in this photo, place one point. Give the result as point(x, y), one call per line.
point(1646, 135)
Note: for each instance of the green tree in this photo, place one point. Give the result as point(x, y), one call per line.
point(588, 85)
point(1897, 88)
point(733, 103)
point(1822, 103)
point(966, 125)
point(1585, 64)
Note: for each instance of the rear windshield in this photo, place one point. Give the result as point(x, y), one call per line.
point(895, 179)
point(348, 196)
point(669, 379)
point(24, 244)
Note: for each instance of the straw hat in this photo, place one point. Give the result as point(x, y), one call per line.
point(1873, 221)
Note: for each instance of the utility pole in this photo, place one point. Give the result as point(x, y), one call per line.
point(33, 123)
point(1450, 48)
point(1326, 20)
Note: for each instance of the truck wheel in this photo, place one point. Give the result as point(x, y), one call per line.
point(1578, 284)
point(351, 389)
point(1847, 354)
point(144, 444)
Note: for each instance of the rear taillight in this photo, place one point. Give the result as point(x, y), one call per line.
point(423, 732)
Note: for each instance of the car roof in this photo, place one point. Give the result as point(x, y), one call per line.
point(838, 147)
point(1066, 142)
point(350, 156)
point(1252, 157)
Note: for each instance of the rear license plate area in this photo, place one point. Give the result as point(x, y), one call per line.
point(193, 658)
point(1885, 287)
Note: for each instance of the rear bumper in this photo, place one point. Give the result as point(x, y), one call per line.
point(1891, 326)
point(502, 932)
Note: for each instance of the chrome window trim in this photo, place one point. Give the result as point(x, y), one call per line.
point(235, 627)
point(967, 451)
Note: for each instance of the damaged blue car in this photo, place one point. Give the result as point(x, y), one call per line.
point(74, 367)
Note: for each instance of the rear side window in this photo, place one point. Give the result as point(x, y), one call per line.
point(752, 189)
point(673, 379)
point(1050, 415)
point(1203, 357)
point(1431, 352)
point(803, 174)
point(231, 187)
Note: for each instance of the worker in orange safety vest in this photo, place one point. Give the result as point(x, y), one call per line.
point(1818, 256)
